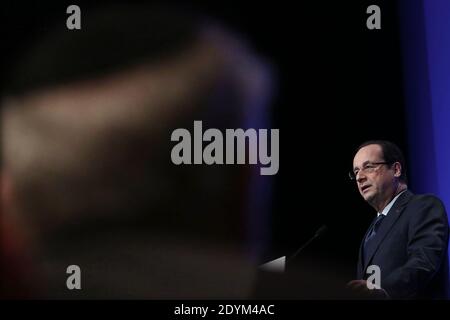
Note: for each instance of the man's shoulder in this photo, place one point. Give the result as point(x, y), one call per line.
point(426, 198)
point(425, 203)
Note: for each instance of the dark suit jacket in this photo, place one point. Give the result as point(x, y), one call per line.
point(410, 248)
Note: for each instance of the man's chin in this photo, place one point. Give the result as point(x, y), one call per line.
point(368, 196)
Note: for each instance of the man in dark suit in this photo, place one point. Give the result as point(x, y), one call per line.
point(407, 241)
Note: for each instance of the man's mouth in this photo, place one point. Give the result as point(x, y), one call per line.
point(364, 188)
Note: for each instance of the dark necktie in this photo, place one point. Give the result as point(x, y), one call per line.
point(371, 234)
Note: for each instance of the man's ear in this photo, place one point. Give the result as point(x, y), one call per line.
point(397, 169)
point(5, 191)
point(3, 209)
point(6, 196)
point(10, 228)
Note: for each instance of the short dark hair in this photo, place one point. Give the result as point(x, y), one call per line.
point(117, 37)
point(391, 154)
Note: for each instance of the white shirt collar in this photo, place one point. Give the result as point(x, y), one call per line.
point(390, 204)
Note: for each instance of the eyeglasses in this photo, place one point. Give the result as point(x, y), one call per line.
point(367, 168)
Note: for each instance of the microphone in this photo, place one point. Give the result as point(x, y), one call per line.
point(319, 233)
point(279, 265)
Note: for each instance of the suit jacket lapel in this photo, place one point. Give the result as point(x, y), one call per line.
point(388, 222)
point(360, 271)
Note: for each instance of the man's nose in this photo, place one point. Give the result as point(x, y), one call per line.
point(360, 177)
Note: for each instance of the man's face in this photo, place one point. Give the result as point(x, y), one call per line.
point(375, 181)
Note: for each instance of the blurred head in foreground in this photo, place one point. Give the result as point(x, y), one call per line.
point(87, 173)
